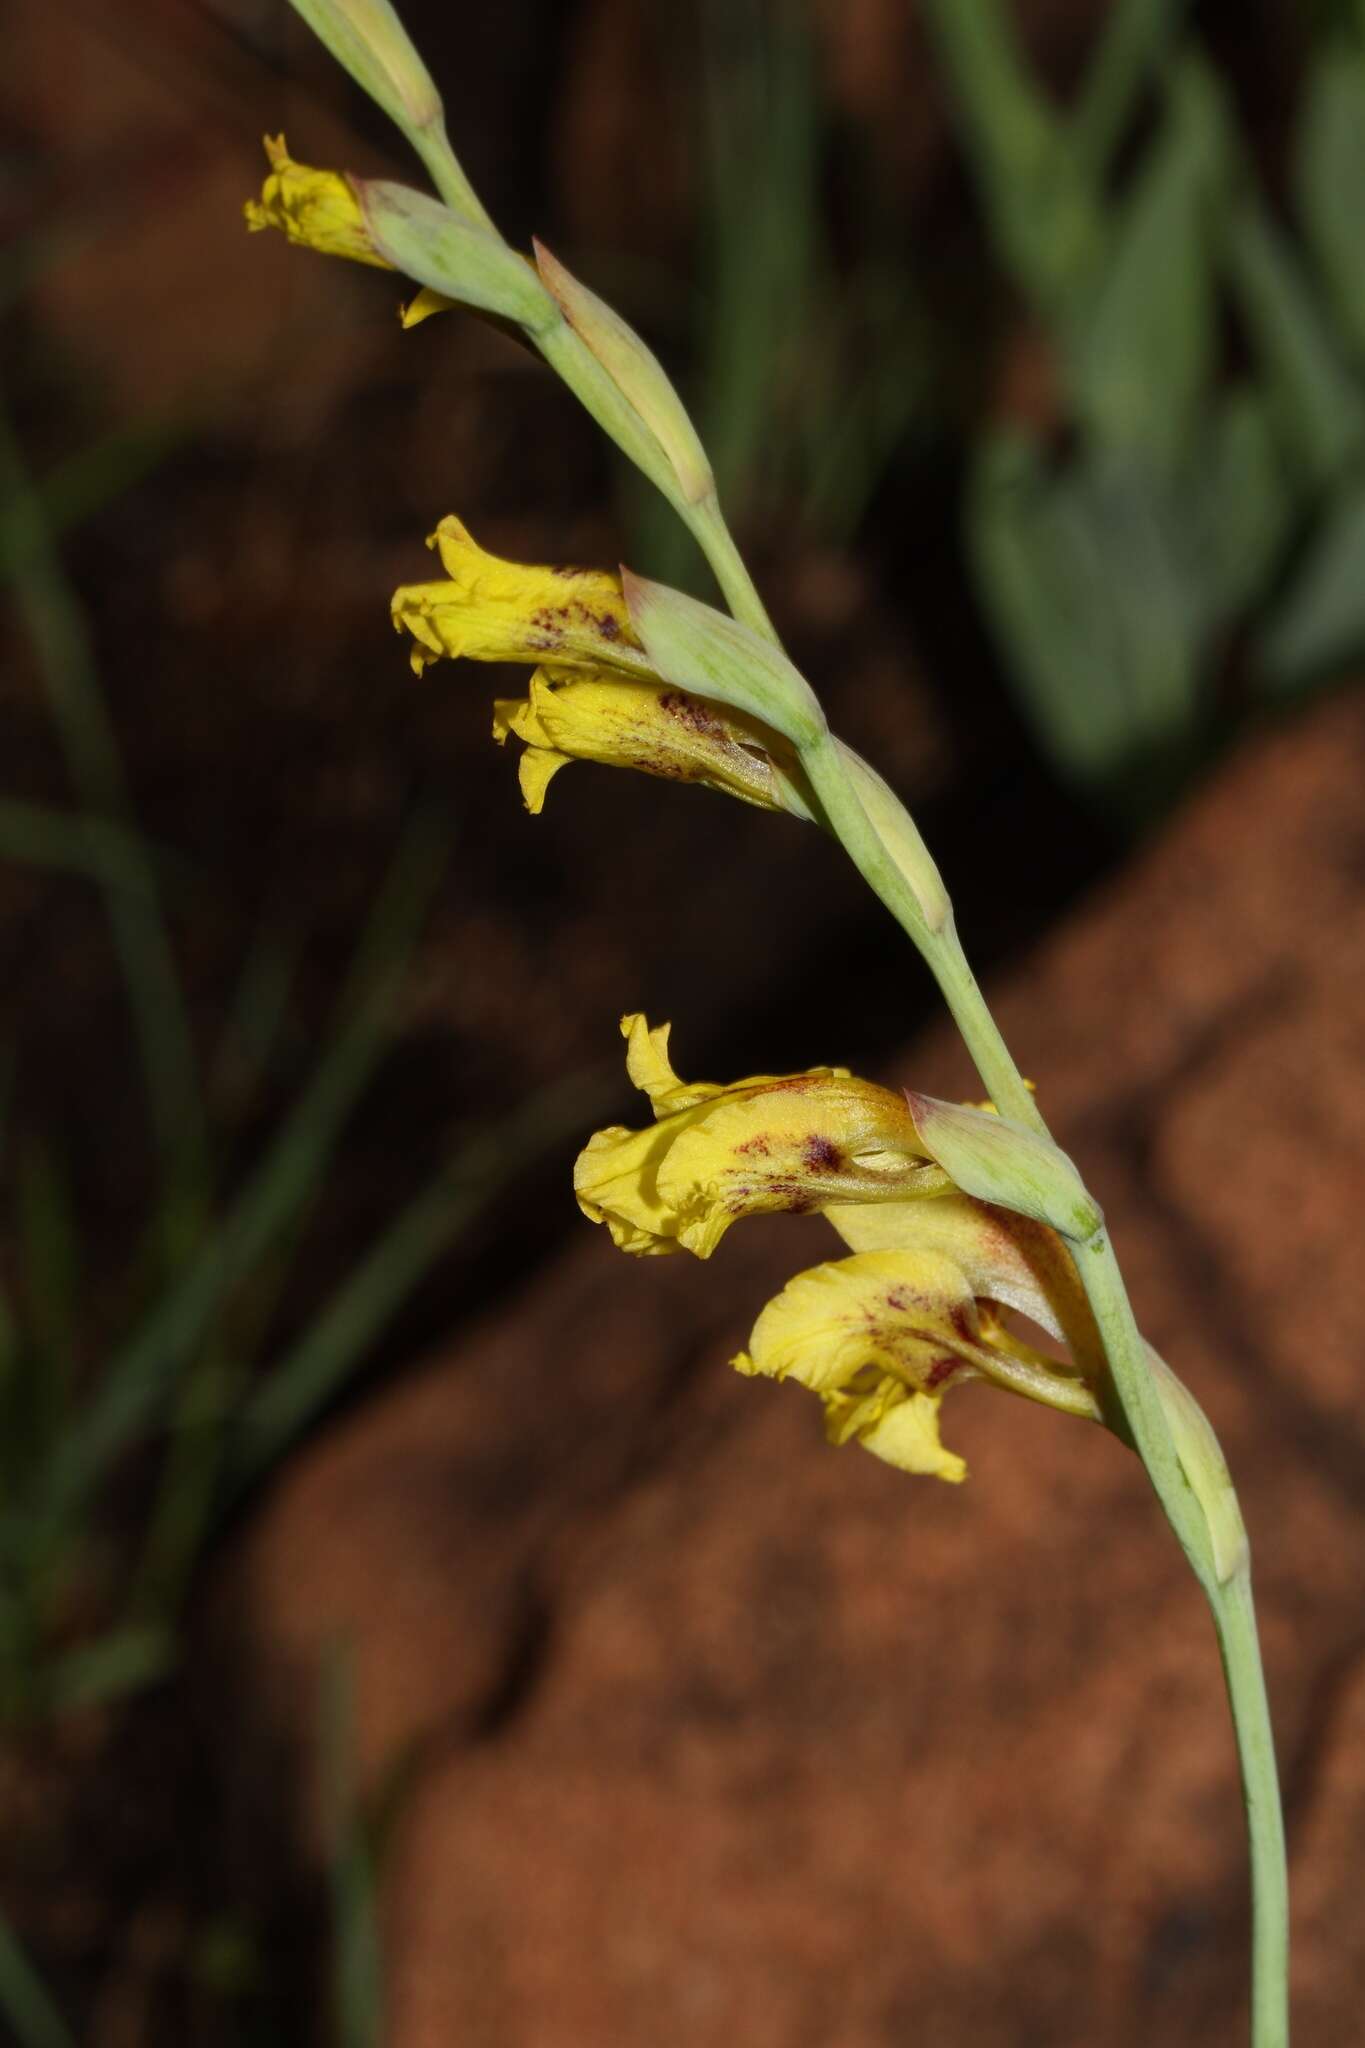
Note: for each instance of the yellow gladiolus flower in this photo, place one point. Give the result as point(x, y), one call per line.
point(317, 209)
point(491, 610)
point(773, 1142)
point(646, 725)
point(878, 1337)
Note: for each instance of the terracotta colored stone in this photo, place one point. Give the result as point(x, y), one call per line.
point(722, 1736)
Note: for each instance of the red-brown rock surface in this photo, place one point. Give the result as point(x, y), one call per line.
point(716, 1735)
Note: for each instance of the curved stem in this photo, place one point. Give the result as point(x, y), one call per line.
point(1234, 1617)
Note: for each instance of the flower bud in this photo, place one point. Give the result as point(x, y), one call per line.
point(1001, 1162)
point(637, 374)
point(900, 838)
point(367, 39)
point(704, 652)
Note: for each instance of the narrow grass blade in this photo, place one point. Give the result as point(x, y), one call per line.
point(141, 1376)
point(341, 1338)
point(25, 2001)
point(1321, 412)
point(56, 625)
point(114, 1665)
point(1135, 37)
point(357, 1969)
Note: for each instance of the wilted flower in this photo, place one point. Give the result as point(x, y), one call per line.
point(317, 209)
point(646, 725)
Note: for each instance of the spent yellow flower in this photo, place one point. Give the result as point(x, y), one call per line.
point(487, 609)
point(646, 725)
point(317, 209)
point(925, 1300)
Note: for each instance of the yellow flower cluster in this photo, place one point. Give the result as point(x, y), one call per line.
point(922, 1303)
point(593, 695)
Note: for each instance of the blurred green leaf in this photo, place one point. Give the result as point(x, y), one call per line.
point(1329, 177)
point(1318, 627)
point(25, 2001)
point(762, 131)
point(1093, 603)
point(1144, 348)
point(1240, 507)
point(1040, 198)
point(123, 1661)
point(1134, 37)
point(144, 1372)
point(49, 1249)
point(1320, 411)
point(313, 1371)
point(82, 485)
point(56, 625)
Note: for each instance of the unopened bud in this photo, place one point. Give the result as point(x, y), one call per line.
point(367, 39)
point(636, 372)
point(1000, 1162)
point(900, 838)
point(1205, 1467)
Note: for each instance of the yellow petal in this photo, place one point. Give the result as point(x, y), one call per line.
point(651, 1070)
point(316, 209)
point(423, 306)
point(877, 1338)
point(907, 1436)
point(615, 1184)
point(1006, 1258)
point(851, 1323)
point(536, 770)
point(492, 610)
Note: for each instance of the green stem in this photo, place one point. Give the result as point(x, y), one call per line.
point(980, 1033)
point(707, 524)
point(446, 172)
point(1141, 1417)
point(1234, 1617)
point(1138, 1410)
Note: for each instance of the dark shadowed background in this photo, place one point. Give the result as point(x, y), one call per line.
point(409, 1630)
